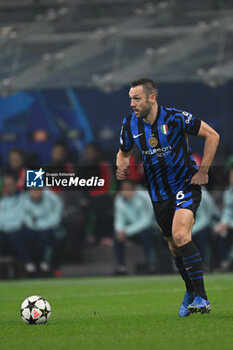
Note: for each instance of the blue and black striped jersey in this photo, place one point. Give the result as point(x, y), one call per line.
point(165, 149)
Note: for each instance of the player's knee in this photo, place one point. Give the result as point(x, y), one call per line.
point(180, 237)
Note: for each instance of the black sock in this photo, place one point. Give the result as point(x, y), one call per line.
point(193, 265)
point(183, 273)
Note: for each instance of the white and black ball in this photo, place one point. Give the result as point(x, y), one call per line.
point(35, 310)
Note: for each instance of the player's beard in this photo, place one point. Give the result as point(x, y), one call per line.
point(145, 111)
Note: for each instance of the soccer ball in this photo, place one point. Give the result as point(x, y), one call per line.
point(35, 310)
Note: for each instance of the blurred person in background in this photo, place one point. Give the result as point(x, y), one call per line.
point(60, 161)
point(224, 228)
point(42, 218)
point(16, 165)
point(133, 219)
point(99, 201)
point(63, 161)
point(136, 171)
point(11, 219)
point(207, 214)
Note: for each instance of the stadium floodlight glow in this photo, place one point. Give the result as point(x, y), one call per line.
point(59, 55)
point(149, 50)
point(6, 82)
point(63, 11)
point(200, 72)
point(51, 14)
point(13, 35)
point(95, 77)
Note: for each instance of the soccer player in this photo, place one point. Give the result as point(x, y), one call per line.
point(172, 177)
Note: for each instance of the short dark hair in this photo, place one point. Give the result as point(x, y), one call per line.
point(60, 143)
point(18, 151)
point(149, 85)
point(132, 183)
point(11, 174)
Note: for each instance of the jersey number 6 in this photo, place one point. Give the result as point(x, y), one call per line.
point(180, 195)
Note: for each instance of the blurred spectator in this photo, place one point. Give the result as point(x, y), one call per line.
point(60, 154)
point(11, 217)
point(16, 161)
point(136, 171)
point(198, 158)
point(206, 215)
point(218, 173)
point(27, 222)
point(225, 225)
point(42, 218)
point(133, 219)
point(229, 162)
point(99, 201)
point(60, 161)
point(72, 225)
point(96, 166)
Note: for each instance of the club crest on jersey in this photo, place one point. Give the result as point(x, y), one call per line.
point(164, 129)
point(153, 142)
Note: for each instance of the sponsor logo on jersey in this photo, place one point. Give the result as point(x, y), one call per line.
point(160, 152)
point(181, 202)
point(136, 136)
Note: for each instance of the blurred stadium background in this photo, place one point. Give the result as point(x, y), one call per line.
point(65, 68)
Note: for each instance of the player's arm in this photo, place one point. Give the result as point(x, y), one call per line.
point(122, 163)
point(211, 144)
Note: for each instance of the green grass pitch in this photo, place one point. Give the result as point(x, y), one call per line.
point(117, 313)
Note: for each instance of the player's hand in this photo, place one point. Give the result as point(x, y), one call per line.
point(200, 178)
point(120, 236)
point(122, 172)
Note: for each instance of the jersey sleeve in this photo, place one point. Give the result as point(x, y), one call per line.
point(126, 139)
point(188, 123)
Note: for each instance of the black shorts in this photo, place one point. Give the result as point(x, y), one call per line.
point(188, 197)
